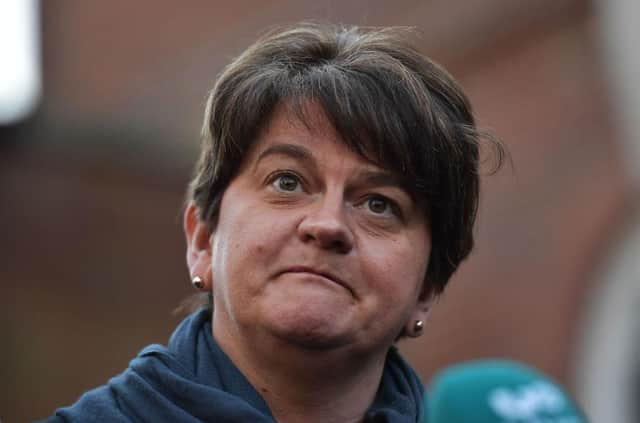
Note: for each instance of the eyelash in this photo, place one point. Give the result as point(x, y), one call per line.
point(391, 204)
point(273, 177)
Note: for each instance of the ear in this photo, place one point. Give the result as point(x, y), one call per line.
point(198, 237)
point(420, 312)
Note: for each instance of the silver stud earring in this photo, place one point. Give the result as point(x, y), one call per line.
point(418, 326)
point(197, 282)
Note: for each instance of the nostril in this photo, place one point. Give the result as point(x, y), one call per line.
point(341, 246)
point(308, 237)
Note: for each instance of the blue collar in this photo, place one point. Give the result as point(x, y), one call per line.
point(193, 380)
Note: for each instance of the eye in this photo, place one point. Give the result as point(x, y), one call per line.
point(286, 182)
point(379, 205)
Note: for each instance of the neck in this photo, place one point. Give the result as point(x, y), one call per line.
point(306, 385)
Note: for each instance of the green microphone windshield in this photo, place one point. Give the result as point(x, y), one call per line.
point(498, 392)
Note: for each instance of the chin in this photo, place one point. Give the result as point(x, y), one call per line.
point(309, 315)
point(312, 331)
point(313, 340)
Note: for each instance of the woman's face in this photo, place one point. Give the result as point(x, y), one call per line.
point(315, 245)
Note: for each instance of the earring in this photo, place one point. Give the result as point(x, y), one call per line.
point(418, 326)
point(197, 282)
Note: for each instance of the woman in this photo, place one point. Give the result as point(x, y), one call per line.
point(334, 197)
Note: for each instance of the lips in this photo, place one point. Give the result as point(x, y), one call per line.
point(322, 273)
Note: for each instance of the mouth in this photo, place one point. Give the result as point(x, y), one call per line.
point(323, 274)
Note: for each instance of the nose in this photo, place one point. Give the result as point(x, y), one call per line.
point(327, 227)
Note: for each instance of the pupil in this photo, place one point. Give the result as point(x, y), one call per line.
point(377, 205)
point(287, 183)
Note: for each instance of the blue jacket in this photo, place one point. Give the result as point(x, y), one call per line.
point(192, 380)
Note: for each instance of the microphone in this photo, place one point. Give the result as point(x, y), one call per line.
point(498, 391)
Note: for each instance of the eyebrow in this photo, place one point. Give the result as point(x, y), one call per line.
point(289, 150)
point(383, 178)
point(378, 178)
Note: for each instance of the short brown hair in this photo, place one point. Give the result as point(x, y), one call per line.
point(389, 103)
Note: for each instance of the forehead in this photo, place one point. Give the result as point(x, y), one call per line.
point(310, 121)
point(309, 128)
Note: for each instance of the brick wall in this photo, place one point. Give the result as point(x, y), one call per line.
point(91, 187)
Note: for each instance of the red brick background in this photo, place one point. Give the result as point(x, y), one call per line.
point(91, 186)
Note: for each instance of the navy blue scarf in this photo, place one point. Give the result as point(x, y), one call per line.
point(193, 380)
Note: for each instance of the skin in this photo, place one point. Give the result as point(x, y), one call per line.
point(316, 263)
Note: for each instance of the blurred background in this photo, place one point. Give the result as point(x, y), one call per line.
point(100, 111)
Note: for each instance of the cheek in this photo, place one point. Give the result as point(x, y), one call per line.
point(397, 270)
point(244, 246)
